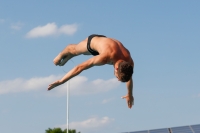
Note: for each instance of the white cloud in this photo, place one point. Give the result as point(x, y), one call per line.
point(52, 29)
point(21, 85)
point(79, 85)
point(68, 29)
point(90, 124)
point(16, 26)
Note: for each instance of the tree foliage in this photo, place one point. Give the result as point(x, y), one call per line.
point(59, 130)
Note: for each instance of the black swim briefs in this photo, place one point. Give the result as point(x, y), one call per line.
point(88, 44)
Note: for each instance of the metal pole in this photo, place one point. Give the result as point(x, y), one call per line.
point(68, 107)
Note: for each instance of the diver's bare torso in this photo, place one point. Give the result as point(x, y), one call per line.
point(111, 48)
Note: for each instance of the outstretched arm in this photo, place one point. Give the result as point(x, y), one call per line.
point(95, 61)
point(129, 86)
point(129, 97)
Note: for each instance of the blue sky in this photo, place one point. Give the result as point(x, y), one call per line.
point(162, 36)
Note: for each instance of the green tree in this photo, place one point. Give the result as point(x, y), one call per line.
point(59, 130)
point(49, 130)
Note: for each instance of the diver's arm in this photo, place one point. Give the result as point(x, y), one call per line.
point(95, 61)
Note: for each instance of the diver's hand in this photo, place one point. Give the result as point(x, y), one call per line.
point(129, 100)
point(53, 85)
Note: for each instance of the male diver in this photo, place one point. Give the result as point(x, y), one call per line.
point(105, 50)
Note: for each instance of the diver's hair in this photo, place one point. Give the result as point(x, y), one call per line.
point(125, 71)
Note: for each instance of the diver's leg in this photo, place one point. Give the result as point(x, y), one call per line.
point(65, 55)
point(70, 51)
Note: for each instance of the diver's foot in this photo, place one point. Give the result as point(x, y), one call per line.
point(57, 60)
point(63, 61)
